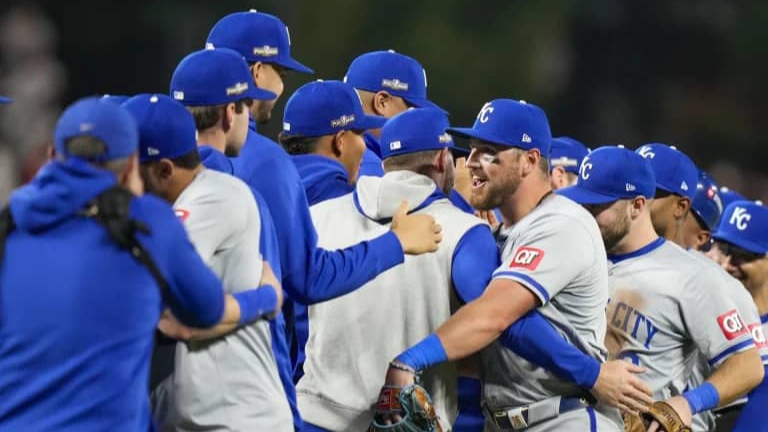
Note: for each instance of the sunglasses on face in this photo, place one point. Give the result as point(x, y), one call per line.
point(738, 255)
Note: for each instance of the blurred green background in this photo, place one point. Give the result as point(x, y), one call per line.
point(687, 73)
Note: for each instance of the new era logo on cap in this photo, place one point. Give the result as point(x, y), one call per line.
point(630, 187)
point(526, 138)
point(684, 186)
point(151, 151)
point(178, 95)
point(445, 138)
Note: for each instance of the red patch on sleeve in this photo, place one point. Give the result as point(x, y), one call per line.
point(527, 257)
point(758, 335)
point(182, 214)
point(731, 324)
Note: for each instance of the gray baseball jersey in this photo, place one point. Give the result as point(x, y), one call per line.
point(705, 421)
point(666, 308)
point(230, 383)
point(556, 252)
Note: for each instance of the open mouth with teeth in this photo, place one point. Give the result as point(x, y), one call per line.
point(478, 182)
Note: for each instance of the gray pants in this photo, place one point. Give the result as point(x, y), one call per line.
point(587, 420)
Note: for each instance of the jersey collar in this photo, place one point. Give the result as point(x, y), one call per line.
point(642, 251)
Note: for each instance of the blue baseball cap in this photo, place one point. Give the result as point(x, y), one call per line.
point(675, 171)
point(95, 117)
point(258, 37)
point(5, 100)
point(744, 224)
point(707, 205)
point(729, 195)
point(324, 108)
point(166, 128)
point(214, 77)
point(415, 130)
point(567, 153)
point(510, 123)
point(395, 73)
point(610, 174)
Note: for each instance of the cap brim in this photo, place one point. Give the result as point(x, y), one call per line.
point(460, 151)
point(470, 133)
point(424, 103)
point(294, 65)
point(5, 100)
point(583, 196)
point(259, 94)
point(368, 122)
point(739, 242)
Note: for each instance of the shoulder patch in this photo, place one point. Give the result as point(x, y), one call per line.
point(731, 324)
point(758, 335)
point(527, 257)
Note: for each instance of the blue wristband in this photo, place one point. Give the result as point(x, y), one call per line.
point(424, 354)
point(703, 398)
point(255, 303)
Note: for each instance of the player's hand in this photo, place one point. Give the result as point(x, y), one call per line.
point(172, 328)
point(681, 407)
point(462, 182)
point(268, 278)
point(418, 233)
point(618, 386)
point(398, 378)
point(488, 216)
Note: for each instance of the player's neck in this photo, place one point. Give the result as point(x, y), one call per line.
point(640, 235)
point(213, 137)
point(182, 178)
point(527, 197)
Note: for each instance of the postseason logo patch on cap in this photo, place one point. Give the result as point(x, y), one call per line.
point(394, 84)
point(265, 51)
point(237, 89)
point(343, 121)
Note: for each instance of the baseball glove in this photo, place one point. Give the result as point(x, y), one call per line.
point(412, 403)
point(666, 416)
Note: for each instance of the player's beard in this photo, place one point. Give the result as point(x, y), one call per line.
point(615, 232)
point(262, 111)
point(493, 194)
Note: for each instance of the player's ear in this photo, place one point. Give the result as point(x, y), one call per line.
point(164, 168)
point(381, 101)
point(338, 142)
point(228, 116)
point(682, 207)
point(257, 71)
point(702, 238)
point(530, 159)
point(637, 206)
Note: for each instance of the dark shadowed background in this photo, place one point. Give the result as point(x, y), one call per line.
point(686, 73)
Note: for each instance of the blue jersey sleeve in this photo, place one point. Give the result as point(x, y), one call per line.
point(474, 260)
point(753, 413)
point(198, 295)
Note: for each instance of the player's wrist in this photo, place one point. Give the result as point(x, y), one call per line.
point(424, 354)
point(703, 398)
point(255, 303)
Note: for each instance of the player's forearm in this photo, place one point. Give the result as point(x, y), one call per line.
point(739, 374)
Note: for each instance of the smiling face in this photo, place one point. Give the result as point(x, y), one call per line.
point(496, 173)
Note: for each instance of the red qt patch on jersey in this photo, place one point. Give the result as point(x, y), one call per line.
point(758, 335)
point(181, 214)
point(527, 257)
point(731, 324)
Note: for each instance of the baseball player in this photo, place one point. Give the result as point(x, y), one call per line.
point(706, 208)
point(564, 159)
point(230, 382)
point(388, 83)
point(742, 235)
point(85, 345)
point(552, 260)
point(666, 306)
point(727, 196)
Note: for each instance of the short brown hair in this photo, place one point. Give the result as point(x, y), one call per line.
point(207, 116)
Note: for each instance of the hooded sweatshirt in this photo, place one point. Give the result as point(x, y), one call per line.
point(78, 313)
point(344, 367)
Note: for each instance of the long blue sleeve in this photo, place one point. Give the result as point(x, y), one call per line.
point(532, 336)
point(310, 275)
point(753, 416)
